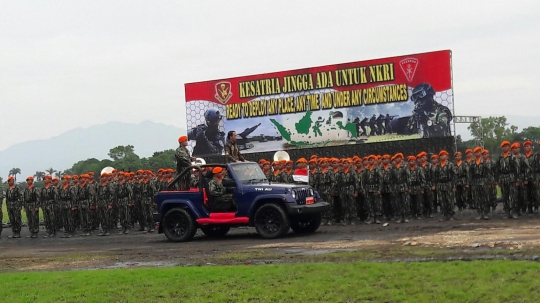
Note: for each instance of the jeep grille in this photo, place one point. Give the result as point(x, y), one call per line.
point(301, 195)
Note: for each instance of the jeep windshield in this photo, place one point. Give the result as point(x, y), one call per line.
point(249, 173)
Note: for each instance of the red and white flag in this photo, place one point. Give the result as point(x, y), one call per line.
point(301, 175)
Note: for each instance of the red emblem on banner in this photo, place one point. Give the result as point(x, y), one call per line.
point(223, 91)
point(408, 66)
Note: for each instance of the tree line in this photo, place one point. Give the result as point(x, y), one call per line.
point(122, 157)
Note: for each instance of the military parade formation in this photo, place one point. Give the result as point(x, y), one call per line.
point(367, 189)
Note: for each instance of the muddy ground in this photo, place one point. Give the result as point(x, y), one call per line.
point(423, 240)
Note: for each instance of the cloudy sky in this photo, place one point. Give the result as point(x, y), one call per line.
point(67, 64)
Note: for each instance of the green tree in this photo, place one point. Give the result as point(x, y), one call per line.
point(493, 130)
point(39, 175)
point(14, 172)
point(50, 171)
point(121, 151)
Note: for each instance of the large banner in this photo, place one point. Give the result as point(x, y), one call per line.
point(398, 98)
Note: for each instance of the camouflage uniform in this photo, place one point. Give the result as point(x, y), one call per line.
point(183, 160)
point(371, 183)
point(136, 208)
point(125, 195)
point(507, 169)
point(75, 214)
point(428, 195)
point(468, 192)
point(84, 208)
point(31, 198)
point(462, 182)
point(417, 185)
point(66, 203)
point(94, 220)
point(524, 172)
point(113, 202)
point(445, 179)
point(386, 192)
point(220, 202)
point(49, 200)
point(532, 186)
point(14, 205)
point(492, 187)
point(147, 197)
point(103, 196)
point(479, 176)
point(287, 177)
point(325, 178)
point(334, 195)
point(401, 183)
point(346, 183)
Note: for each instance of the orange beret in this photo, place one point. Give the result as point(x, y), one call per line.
point(140, 171)
point(457, 154)
point(399, 155)
point(386, 157)
point(301, 160)
point(313, 156)
point(30, 178)
point(527, 143)
point(477, 149)
point(515, 145)
point(435, 156)
point(282, 161)
point(66, 177)
point(10, 178)
point(275, 163)
point(182, 139)
point(312, 160)
point(372, 157)
point(422, 154)
point(114, 170)
point(91, 173)
point(505, 143)
point(411, 158)
point(75, 177)
point(442, 152)
point(217, 170)
point(47, 177)
point(485, 152)
point(55, 179)
point(468, 151)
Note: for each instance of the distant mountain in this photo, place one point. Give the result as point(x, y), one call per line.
point(520, 121)
point(62, 151)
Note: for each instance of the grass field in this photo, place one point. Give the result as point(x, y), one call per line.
point(476, 281)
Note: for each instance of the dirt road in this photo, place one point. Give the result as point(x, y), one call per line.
point(428, 238)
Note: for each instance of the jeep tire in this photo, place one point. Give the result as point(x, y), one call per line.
point(215, 231)
point(271, 221)
point(306, 224)
point(178, 225)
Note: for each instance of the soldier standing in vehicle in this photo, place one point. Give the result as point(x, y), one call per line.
point(232, 152)
point(183, 160)
point(220, 201)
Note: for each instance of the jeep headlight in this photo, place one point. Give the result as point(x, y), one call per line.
point(311, 192)
point(293, 194)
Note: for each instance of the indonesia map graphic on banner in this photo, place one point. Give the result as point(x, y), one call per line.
point(398, 98)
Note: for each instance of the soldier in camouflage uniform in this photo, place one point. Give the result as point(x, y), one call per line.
point(362, 212)
point(49, 200)
point(104, 206)
point(193, 180)
point(531, 187)
point(267, 170)
point(66, 201)
point(479, 176)
point(136, 209)
point(287, 173)
point(57, 213)
point(417, 185)
point(31, 198)
point(84, 204)
point(462, 182)
point(429, 207)
point(125, 195)
point(94, 221)
point(492, 187)
point(14, 206)
point(468, 193)
point(386, 190)
point(347, 183)
point(147, 197)
point(221, 201)
point(325, 180)
point(401, 182)
point(313, 174)
point(75, 212)
point(523, 171)
point(371, 184)
point(183, 160)
point(334, 192)
point(445, 182)
point(507, 170)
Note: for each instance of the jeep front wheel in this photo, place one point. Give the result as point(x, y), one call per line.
point(178, 225)
point(271, 221)
point(215, 231)
point(306, 224)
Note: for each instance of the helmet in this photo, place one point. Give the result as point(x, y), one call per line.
point(212, 115)
point(421, 91)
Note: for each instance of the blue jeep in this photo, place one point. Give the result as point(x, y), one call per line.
point(272, 208)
